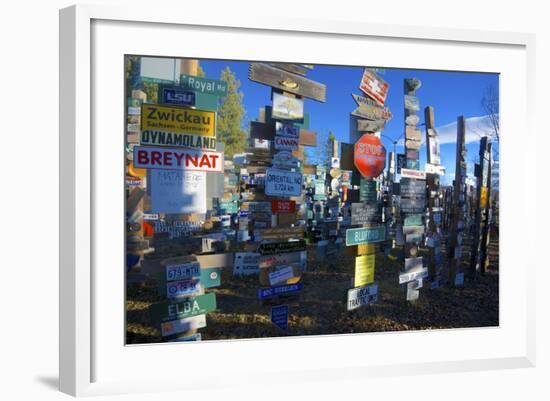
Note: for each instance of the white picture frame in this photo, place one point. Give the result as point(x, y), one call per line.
point(93, 358)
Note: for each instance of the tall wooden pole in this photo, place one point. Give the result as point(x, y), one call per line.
point(481, 196)
point(485, 236)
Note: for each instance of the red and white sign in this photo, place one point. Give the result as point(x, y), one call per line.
point(283, 206)
point(408, 173)
point(177, 159)
point(286, 143)
point(370, 156)
point(374, 86)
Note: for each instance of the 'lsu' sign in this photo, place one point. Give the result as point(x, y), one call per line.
point(181, 120)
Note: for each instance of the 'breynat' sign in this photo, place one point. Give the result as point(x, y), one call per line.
point(177, 159)
point(283, 183)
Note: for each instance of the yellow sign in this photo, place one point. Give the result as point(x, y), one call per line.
point(364, 270)
point(366, 249)
point(483, 197)
point(176, 119)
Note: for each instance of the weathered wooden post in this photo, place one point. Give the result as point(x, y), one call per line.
point(487, 206)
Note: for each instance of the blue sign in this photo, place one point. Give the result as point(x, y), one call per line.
point(270, 292)
point(279, 316)
point(177, 96)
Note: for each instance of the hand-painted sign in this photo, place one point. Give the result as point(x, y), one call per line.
point(287, 108)
point(408, 173)
point(365, 235)
point(178, 191)
point(366, 295)
point(288, 130)
point(285, 143)
point(183, 325)
point(287, 81)
point(412, 103)
point(279, 316)
point(364, 270)
point(178, 119)
point(280, 247)
point(162, 138)
point(283, 183)
point(184, 271)
point(182, 288)
point(370, 156)
point(283, 206)
point(363, 213)
point(177, 96)
point(370, 109)
point(270, 292)
point(177, 159)
point(166, 311)
point(246, 263)
point(204, 85)
point(281, 275)
point(374, 86)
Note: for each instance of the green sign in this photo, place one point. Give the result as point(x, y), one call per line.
point(367, 190)
point(204, 85)
point(211, 277)
point(205, 101)
point(365, 235)
point(167, 311)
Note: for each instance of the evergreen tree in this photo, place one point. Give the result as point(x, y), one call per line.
point(230, 116)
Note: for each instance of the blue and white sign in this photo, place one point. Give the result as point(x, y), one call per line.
point(270, 292)
point(283, 183)
point(177, 96)
point(279, 316)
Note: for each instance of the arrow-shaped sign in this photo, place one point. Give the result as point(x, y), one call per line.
point(369, 109)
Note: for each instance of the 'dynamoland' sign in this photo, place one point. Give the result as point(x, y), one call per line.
point(365, 235)
point(283, 183)
point(370, 156)
point(163, 138)
point(181, 120)
point(177, 159)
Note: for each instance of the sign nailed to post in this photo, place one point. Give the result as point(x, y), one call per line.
point(178, 119)
point(365, 235)
point(374, 86)
point(283, 183)
point(370, 156)
point(177, 159)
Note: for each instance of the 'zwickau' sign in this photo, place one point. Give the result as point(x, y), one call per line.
point(363, 213)
point(365, 235)
point(177, 119)
point(283, 183)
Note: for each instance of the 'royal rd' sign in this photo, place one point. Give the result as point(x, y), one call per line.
point(370, 156)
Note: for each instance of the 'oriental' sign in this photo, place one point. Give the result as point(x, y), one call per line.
point(177, 159)
point(374, 86)
point(370, 156)
point(283, 183)
point(365, 235)
point(177, 119)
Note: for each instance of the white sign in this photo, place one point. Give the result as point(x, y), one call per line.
point(281, 275)
point(408, 173)
point(150, 216)
point(261, 143)
point(406, 277)
point(177, 191)
point(286, 143)
point(283, 183)
point(284, 160)
point(183, 325)
point(360, 296)
point(435, 169)
point(335, 162)
point(182, 288)
point(288, 130)
point(246, 263)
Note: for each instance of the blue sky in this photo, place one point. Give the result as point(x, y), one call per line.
point(450, 94)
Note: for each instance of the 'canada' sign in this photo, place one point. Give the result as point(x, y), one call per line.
point(370, 156)
point(177, 159)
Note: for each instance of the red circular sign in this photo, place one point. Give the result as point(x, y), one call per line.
point(370, 156)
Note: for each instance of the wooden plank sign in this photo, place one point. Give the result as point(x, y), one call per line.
point(183, 325)
point(177, 159)
point(166, 311)
point(293, 68)
point(283, 183)
point(361, 296)
point(286, 81)
point(178, 119)
point(370, 109)
point(374, 86)
point(370, 126)
point(365, 235)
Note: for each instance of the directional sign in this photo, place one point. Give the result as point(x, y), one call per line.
point(270, 292)
point(287, 81)
point(365, 235)
point(370, 109)
point(280, 247)
point(369, 156)
point(283, 183)
point(366, 295)
point(178, 119)
point(183, 325)
point(364, 213)
point(204, 85)
point(279, 316)
point(374, 86)
point(166, 311)
point(177, 159)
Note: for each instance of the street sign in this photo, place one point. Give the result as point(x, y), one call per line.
point(183, 325)
point(370, 109)
point(178, 119)
point(365, 235)
point(279, 316)
point(364, 213)
point(283, 183)
point(270, 292)
point(281, 247)
point(374, 86)
point(166, 311)
point(364, 270)
point(369, 156)
point(177, 159)
point(366, 295)
point(204, 85)
point(287, 108)
point(286, 81)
